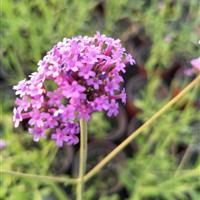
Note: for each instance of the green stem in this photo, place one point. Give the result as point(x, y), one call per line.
point(83, 159)
point(39, 177)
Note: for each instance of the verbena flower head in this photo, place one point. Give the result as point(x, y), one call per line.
point(77, 77)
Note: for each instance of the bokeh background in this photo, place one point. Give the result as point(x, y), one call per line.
point(161, 164)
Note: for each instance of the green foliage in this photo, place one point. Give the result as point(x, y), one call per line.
point(98, 126)
point(90, 194)
point(114, 11)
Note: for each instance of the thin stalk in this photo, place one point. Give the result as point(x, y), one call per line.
point(39, 177)
point(184, 159)
point(121, 146)
point(82, 159)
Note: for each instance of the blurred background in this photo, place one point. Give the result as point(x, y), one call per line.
point(163, 163)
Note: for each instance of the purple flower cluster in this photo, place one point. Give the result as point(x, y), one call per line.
point(84, 74)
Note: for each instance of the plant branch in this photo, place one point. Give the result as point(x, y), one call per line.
point(121, 146)
point(83, 159)
point(39, 177)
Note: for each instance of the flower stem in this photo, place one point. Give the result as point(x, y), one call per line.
point(83, 159)
point(121, 146)
point(39, 177)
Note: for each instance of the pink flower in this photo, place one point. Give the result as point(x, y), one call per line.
point(195, 67)
point(75, 90)
point(122, 96)
point(196, 64)
point(94, 83)
point(113, 108)
point(37, 133)
point(101, 103)
point(86, 71)
point(37, 118)
point(87, 74)
point(59, 136)
point(17, 116)
point(21, 88)
point(23, 103)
